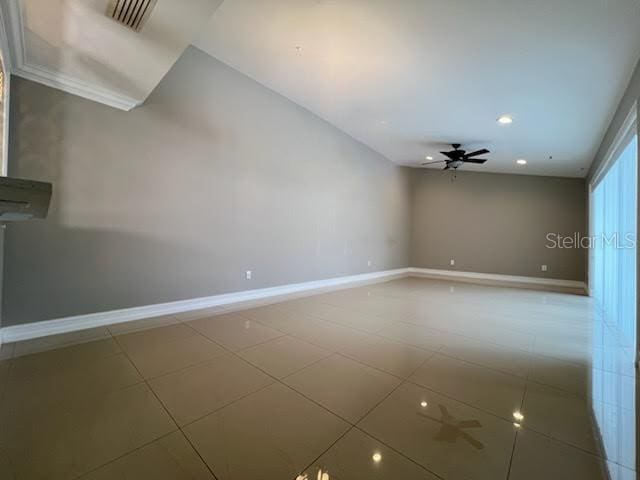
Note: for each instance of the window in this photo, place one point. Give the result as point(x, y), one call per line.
point(612, 281)
point(4, 115)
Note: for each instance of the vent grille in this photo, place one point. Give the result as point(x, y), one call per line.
point(132, 13)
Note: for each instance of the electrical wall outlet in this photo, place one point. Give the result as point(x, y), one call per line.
point(543, 268)
point(248, 274)
point(369, 263)
point(452, 262)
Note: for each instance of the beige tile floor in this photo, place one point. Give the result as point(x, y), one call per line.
point(410, 379)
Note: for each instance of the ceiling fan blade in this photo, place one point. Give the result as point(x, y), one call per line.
point(435, 161)
point(451, 155)
point(475, 160)
point(477, 152)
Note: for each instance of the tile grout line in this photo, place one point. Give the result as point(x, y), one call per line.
point(338, 353)
point(346, 355)
point(524, 395)
point(222, 407)
point(146, 444)
point(429, 356)
point(487, 412)
point(351, 427)
point(513, 451)
point(279, 381)
point(275, 380)
point(142, 380)
point(179, 428)
point(407, 380)
point(393, 449)
point(355, 426)
point(530, 352)
point(515, 438)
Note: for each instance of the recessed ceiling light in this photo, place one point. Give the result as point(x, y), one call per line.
point(518, 416)
point(429, 157)
point(505, 120)
point(377, 457)
point(521, 161)
point(423, 404)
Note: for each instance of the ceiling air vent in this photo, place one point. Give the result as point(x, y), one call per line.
point(132, 13)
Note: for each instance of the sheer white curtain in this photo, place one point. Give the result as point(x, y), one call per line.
point(614, 217)
point(613, 286)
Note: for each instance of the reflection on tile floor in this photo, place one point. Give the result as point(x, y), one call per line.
point(411, 379)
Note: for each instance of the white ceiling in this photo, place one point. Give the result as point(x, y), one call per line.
point(406, 76)
point(75, 44)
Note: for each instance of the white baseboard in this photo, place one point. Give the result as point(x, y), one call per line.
point(226, 301)
point(82, 322)
point(513, 280)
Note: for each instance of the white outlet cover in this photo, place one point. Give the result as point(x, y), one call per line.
point(544, 268)
point(248, 274)
point(453, 262)
point(369, 263)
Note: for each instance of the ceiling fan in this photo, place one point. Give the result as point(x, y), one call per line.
point(457, 157)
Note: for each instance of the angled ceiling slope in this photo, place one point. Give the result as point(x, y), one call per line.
point(404, 78)
point(408, 77)
point(73, 45)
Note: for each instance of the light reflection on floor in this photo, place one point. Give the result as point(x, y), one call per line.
point(410, 379)
point(614, 396)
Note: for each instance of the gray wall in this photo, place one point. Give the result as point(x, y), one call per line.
point(216, 175)
point(494, 223)
point(213, 176)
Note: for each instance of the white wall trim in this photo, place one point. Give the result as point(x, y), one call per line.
point(495, 277)
point(6, 60)
point(11, 16)
point(627, 131)
point(280, 293)
point(73, 86)
point(101, 319)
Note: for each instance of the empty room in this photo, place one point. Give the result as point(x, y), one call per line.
point(319, 239)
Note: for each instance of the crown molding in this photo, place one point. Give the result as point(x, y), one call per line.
point(4, 35)
point(71, 85)
point(16, 63)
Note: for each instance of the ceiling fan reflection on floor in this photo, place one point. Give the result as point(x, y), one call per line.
point(457, 157)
